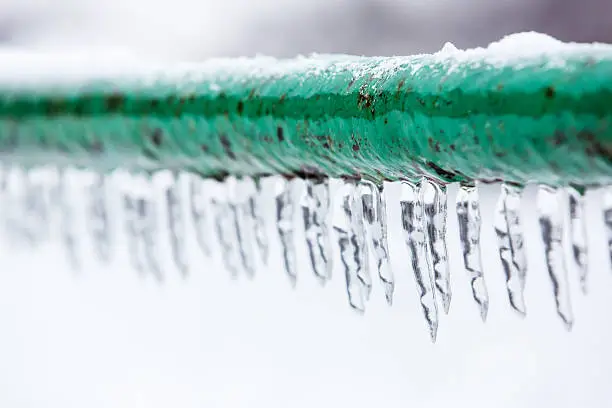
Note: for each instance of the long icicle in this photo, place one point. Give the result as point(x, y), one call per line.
point(99, 224)
point(351, 245)
point(316, 214)
point(149, 227)
point(199, 206)
point(468, 215)
point(257, 206)
point(578, 234)
point(285, 195)
point(67, 222)
point(176, 224)
point(244, 222)
point(510, 241)
point(132, 228)
point(433, 197)
point(225, 229)
point(414, 233)
point(551, 224)
point(375, 216)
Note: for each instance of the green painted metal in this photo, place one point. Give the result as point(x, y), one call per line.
point(379, 118)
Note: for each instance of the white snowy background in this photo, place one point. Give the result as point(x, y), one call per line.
point(106, 337)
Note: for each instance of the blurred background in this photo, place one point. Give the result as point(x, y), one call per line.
point(195, 29)
point(106, 337)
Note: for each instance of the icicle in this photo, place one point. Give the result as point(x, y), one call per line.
point(98, 218)
point(33, 217)
point(176, 225)
point(468, 215)
point(25, 209)
point(285, 210)
point(349, 228)
point(199, 206)
point(375, 216)
point(132, 230)
point(225, 228)
point(147, 214)
point(510, 240)
point(244, 223)
point(67, 221)
point(578, 234)
point(316, 213)
point(257, 206)
point(551, 224)
point(433, 197)
point(414, 233)
point(359, 232)
point(142, 227)
point(607, 208)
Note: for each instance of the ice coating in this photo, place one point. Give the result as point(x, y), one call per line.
point(510, 241)
point(551, 224)
point(412, 216)
point(375, 217)
point(468, 216)
point(317, 216)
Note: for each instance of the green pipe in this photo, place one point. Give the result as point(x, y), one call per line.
point(449, 118)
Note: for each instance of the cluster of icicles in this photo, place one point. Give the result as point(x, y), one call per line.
point(230, 212)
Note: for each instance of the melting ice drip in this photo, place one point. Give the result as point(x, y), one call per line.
point(160, 213)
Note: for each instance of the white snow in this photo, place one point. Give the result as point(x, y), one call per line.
point(519, 48)
point(21, 67)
